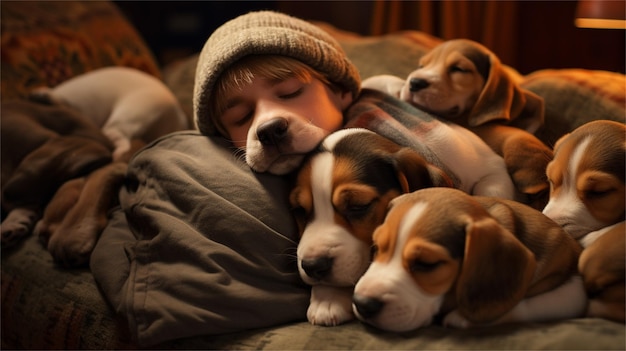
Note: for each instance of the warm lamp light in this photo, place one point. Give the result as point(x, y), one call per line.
point(601, 14)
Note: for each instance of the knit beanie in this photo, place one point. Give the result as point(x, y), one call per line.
point(270, 33)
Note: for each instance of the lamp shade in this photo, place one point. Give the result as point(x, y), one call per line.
point(601, 14)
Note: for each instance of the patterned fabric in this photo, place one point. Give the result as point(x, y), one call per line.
point(47, 42)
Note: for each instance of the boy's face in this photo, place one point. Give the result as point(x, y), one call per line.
point(279, 122)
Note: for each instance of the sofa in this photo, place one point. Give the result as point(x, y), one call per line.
point(45, 306)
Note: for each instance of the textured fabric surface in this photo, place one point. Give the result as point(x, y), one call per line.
point(575, 96)
point(267, 33)
point(48, 307)
point(210, 248)
point(63, 309)
point(46, 42)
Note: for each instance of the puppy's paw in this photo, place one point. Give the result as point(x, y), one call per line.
point(17, 225)
point(454, 319)
point(72, 247)
point(330, 306)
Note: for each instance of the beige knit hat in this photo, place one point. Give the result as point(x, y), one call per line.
point(271, 33)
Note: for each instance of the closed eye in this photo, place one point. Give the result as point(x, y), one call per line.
point(422, 266)
point(456, 68)
point(597, 194)
point(357, 211)
point(291, 95)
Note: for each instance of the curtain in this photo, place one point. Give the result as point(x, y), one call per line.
point(490, 22)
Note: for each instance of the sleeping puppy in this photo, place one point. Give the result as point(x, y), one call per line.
point(587, 178)
point(341, 195)
point(476, 260)
point(42, 147)
point(587, 195)
point(464, 82)
point(124, 102)
point(77, 214)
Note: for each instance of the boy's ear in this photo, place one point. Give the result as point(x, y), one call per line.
point(346, 99)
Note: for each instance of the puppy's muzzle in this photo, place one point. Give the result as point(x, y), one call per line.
point(417, 84)
point(318, 268)
point(367, 307)
point(273, 132)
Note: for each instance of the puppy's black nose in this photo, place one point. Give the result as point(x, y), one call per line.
point(367, 307)
point(273, 131)
point(318, 268)
point(417, 84)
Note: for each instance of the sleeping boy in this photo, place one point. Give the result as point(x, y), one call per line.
point(203, 244)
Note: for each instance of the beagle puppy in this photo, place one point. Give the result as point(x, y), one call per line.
point(77, 214)
point(475, 260)
point(42, 147)
point(464, 82)
point(587, 194)
point(124, 102)
point(340, 196)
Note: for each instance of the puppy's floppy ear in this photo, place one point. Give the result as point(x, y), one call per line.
point(503, 100)
point(415, 173)
point(497, 270)
point(43, 171)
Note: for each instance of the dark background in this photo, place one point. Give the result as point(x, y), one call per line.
point(545, 31)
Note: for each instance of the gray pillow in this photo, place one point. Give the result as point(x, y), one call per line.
point(201, 245)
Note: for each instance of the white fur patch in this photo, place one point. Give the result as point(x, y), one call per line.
point(331, 141)
point(566, 208)
point(323, 237)
point(406, 305)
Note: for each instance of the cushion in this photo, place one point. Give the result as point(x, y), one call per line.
point(46, 42)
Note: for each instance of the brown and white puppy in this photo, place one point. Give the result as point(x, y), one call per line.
point(587, 195)
point(341, 195)
point(77, 214)
point(124, 102)
point(587, 178)
point(464, 82)
point(477, 260)
point(42, 147)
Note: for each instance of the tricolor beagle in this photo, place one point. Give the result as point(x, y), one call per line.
point(587, 194)
point(477, 260)
point(341, 195)
point(77, 214)
point(464, 82)
point(43, 146)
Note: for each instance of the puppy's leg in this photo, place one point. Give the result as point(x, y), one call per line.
point(61, 203)
point(330, 305)
point(565, 301)
point(526, 159)
point(120, 142)
point(71, 244)
point(17, 225)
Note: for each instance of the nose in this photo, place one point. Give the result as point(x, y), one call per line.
point(319, 267)
point(273, 132)
point(367, 307)
point(417, 84)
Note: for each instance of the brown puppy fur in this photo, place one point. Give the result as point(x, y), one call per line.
point(77, 214)
point(42, 146)
point(464, 82)
point(603, 267)
point(587, 193)
point(441, 250)
point(488, 98)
